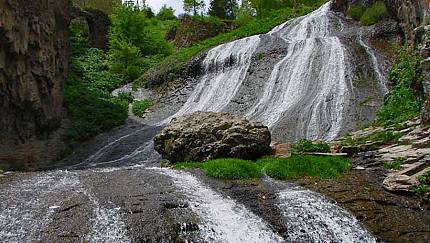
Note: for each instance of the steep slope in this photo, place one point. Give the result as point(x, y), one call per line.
point(312, 77)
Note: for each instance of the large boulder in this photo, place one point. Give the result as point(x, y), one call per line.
point(203, 136)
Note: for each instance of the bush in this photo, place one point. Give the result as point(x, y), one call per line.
point(356, 12)
point(374, 14)
point(404, 102)
point(140, 107)
point(307, 146)
point(395, 165)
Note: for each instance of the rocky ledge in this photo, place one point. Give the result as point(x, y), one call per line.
point(203, 136)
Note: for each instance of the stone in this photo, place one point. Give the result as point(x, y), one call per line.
point(202, 136)
point(400, 183)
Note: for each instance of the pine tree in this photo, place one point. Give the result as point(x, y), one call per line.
point(194, 6)
point(224, 9)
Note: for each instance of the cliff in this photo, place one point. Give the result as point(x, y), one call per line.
point(33, 66)
point(413, 16)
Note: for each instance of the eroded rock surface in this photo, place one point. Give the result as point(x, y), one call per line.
point(33, 66)
point(206, 135)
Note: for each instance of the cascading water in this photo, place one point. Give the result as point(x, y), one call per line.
point(310, 87)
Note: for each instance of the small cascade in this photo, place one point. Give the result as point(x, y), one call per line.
point(309, 217)
point(224, 220)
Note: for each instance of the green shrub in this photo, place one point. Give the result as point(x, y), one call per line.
point(307, 146)
point(421, 189)
point(127, 96)
point(374, 14)
point(356, 12)
point(140, 106)
point(403, 102)
point(384, 137)
point(305, 166)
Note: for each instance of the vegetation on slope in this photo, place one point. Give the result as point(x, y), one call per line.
point(368, 16)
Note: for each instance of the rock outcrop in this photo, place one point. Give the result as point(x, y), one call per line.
point(33, 66)
point(203, 136)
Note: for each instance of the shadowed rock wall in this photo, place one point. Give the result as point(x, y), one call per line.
point(33, 66)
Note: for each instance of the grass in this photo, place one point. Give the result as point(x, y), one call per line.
point(307, 146)
point(140, 106)
point(279, 168)
point(227, 169)
point(356, 12)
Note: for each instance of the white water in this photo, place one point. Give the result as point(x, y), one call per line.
point(312, 218)
point(226, 67)
point(308, 90)
point(224, 219)
point(27, 208)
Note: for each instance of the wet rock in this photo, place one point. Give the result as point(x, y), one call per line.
point(203, 136)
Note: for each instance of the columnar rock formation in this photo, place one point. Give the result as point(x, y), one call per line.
point(33, 66)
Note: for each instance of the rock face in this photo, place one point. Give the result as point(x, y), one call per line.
point(203, 136)
point(33, 66)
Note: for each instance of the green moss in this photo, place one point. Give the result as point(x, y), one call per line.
point(376, 13)
point(279, 168)
point(140, 106)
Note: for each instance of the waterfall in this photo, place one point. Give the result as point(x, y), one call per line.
point(308, 91)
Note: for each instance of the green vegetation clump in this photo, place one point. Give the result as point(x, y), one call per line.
point(395, 165)
point(226, 169)
point(376, 13)
point(424, 185)
point(307, 146)
point(320, 167)
point(356, 12)
point(403, 102)
point(140, 106)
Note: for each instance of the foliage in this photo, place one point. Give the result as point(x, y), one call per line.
point(127, 96)
point(305, 166)
point(278, 168)
point(132, 40)
point(140, 106)
point(424, 185)
point(356, 12)
point(224, 9)
point(194, 6)
point(166, 13)
point(403, 102)
point(306, 146)
point(91, 109)
point(374, 14)
point(103, 5)
point(395, 165)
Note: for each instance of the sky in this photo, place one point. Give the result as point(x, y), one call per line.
point(176, 4)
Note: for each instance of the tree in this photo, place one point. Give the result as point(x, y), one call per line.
point(224, 9)
point(166, 13)
point(194, 6)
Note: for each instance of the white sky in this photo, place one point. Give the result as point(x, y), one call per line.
point(175, 4)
